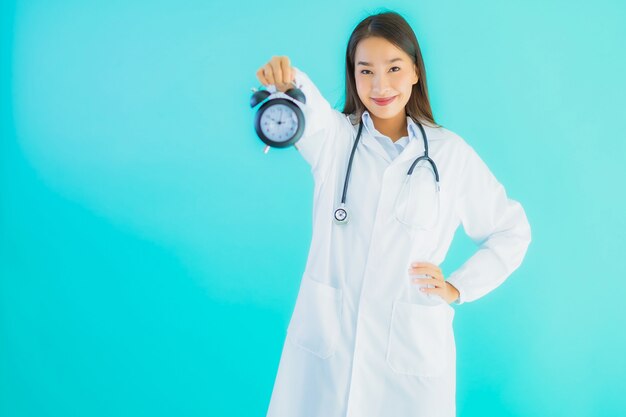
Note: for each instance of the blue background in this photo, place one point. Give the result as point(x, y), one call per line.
point(150, 253)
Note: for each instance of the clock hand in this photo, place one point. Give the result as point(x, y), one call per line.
point(281, 116)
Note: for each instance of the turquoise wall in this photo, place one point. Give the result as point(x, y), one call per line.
point(150, 253)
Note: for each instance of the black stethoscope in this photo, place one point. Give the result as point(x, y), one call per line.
point(341, 213)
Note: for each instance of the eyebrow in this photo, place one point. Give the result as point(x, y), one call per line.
point(367, 64)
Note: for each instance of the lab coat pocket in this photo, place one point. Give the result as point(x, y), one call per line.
point(420, 338)
point(315, 323)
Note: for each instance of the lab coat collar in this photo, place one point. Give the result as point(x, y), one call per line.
point(412, 150)
point(371, 133)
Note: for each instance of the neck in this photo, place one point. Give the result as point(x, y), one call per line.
point(394, 128)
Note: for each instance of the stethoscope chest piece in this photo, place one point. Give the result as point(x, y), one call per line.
point(341, 215)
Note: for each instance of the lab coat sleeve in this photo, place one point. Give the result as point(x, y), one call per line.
point(322, 122)
point(495, 222)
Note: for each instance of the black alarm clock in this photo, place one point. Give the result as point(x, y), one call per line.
point(279, 122)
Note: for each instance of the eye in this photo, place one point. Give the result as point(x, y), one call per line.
point(391, 68)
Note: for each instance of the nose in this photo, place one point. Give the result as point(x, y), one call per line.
point(380, 85)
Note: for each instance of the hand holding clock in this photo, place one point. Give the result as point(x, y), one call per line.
point(278, 72)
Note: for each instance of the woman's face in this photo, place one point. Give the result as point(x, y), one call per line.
point(383, 70)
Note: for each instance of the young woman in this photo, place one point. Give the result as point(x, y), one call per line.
point(371, 333)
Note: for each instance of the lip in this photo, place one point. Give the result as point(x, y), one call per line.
point(385, 101)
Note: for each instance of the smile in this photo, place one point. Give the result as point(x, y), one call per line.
point(384, 102)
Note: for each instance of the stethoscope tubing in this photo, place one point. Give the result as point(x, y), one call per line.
point(341, 213)
point(345, 183)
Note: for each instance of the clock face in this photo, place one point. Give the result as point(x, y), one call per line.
point(279, 123)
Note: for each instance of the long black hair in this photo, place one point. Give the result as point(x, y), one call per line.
point(395, 29)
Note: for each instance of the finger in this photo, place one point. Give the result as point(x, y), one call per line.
point(434, 272)
point(261, 76)
point(269, 74)
point(277, 70)
point(436, 290)
point(286, 69)
point(422, 263)
point(422, 267)
point(425, 265)
point(425, 270)
point(430, 281)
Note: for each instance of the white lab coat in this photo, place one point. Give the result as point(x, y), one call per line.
point(357, 344)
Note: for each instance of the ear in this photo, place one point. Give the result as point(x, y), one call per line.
point(415, 76)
